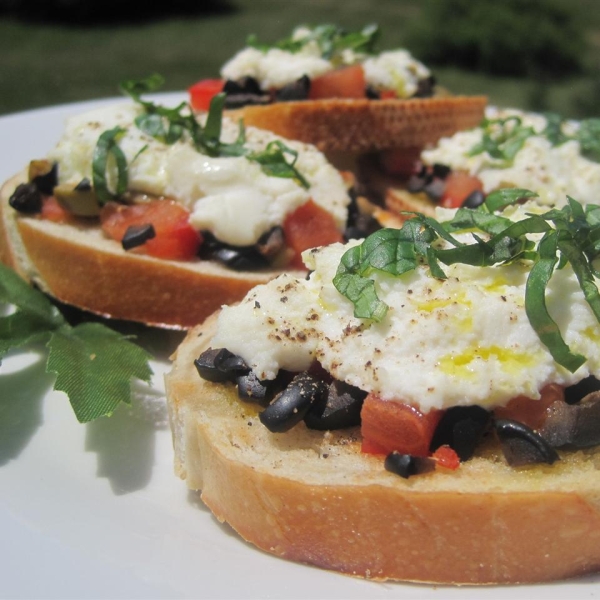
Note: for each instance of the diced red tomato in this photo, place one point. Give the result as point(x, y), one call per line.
point(388, 425)
point(530, 412)
point(202, 92)
point(402, 162)
point(347, 82)
point(458, 185)
point(387, 94)
point(53, 211)
point(447, 458)
point(307, 227)
point(175, 238)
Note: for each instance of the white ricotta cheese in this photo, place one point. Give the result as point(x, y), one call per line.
point(552, 171)
point(274, 68)
point(465, 340)
point(231, 197)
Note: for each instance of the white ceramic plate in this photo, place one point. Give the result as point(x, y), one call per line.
point(94, 511)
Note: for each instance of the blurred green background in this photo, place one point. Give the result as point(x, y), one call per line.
point(532, 54)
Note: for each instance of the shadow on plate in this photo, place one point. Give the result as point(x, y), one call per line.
point(125, 443)
point(21, 395)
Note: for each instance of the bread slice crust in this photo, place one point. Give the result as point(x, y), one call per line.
point(78, 265)
point(313, 497)
point(363, 125)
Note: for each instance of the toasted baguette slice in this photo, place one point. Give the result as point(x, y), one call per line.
point(78, 265)
point(312, 497)
point(361, 126)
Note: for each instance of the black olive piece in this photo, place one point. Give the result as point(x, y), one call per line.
point(292, 404)
point(574, 393)
point(136, 235)
point(271, 243)
point(26, 199)
point(46, 182)
point(416, 183)
point(523, 446)
point(435, 188)
point(440, 170)
point(406, 465)
point(244, 85)
point(461, 428)
point(371, 93)
point(425, 87)
point(85, 185)
point(576, 425)
point(219, 365)
point(242, 259)
point(251, 388)
point(297, 90)
point(474, 199)
point(240, 100)
point(338, 409)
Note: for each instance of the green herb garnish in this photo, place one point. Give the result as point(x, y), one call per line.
point(93, 364)
point(503, 138)
point(570, 235)
point(107, 147)
point(331, 39)
point(168, 125)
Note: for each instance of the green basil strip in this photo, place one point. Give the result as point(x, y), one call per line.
point(503, 197)
point(361, 292)
point(535, 305)
point(467, 218)
point(105, 147)
point(273, 162)
point(588, 137)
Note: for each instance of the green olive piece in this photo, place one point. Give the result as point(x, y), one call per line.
point(80, 200)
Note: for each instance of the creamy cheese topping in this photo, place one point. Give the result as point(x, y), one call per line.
point(230, 196)
point(274, 68)
point(465, 340)
point(552, 171)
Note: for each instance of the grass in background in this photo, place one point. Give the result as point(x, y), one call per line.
point(43, 64)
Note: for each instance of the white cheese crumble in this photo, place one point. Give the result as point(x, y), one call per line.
point(465, 340)
point(274, 68)
point(230, 196)
point(552, 171)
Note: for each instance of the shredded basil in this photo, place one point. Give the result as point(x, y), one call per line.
point(571, 235)
point(168, 125)
point(331, 39)
point(503, 138)
point(106, 147)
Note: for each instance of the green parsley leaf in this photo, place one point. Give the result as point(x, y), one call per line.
point(571, 235)
point(93, 364)
point(588, 136)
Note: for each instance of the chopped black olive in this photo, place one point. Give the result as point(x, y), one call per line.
point(523, 446)
point(220, 365)
point(435, 188)
point(338, 409)
point(136, 235)
point(358, 224)
point(244, 85)
point(371, 93)
point(574, 393)
point(250, 387)
point(238, 100)
point(575, 425)
point(440, 170)
point(425, 87)
point(85, 185)
point(474, 199)
point(43, 175)
point(416, 183)
point(271, 243)
point(406, 465)
point(297, 90)
point(461, 428)
point(292, 404)
point(26, 199)
point(239, 258)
